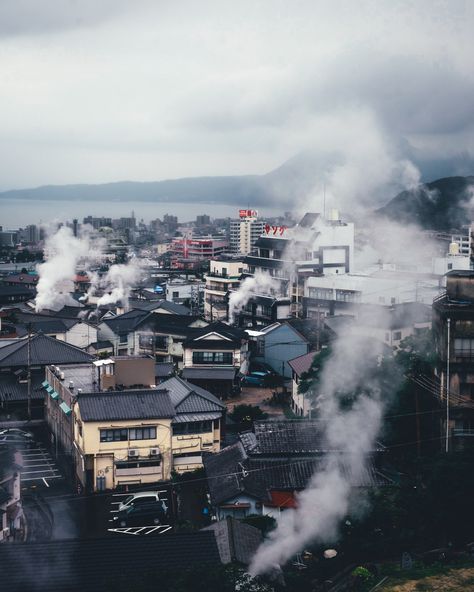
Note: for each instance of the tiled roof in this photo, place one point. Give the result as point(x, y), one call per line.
point(94, 565)
point(171, 324)
point(221, 469)
point(301, 364)
point(236, 540)
point(105, 344)
point(125, 405)
point(164, 369)
point(200, 400)
point(12, 390)
point(127, 322)
point(44, 350)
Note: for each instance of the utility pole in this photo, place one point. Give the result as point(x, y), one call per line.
point(28, 375)
point(447, 385)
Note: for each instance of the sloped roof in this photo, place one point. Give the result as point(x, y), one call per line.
point(44, 350)
point(236, 540)
point(115, 563)
point(127, 322)
point(190, 398)
point(157, 304)
point(125, 405)
point(302, 364)
point(308, 220)
point(221, 469)
point(209, 373)
point(12, 390)
point(164, 369)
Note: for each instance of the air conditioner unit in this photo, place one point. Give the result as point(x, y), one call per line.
point(133, 452)
point(154, 451)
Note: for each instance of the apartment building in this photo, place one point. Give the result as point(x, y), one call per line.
point(224, 275)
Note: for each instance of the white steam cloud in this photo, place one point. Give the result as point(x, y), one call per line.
point(260, 283)
point(350, 435)
point(119, 281)
point(63, 252)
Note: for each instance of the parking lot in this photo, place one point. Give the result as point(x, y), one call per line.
point(114, 526)
point(39, 467)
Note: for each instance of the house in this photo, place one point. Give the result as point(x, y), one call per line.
point(159, 306)
point(74, 331)
point(214, 356)
point(280, 342)
point(122, 438)
point(101, 348)
point(166, 428)
point(12, 294)
point(163, 335)
point(114, 563)
point(163, 371)
point(224, 275)
point(300, 365)
point(197, 424)
point(12, 523)
point(40, 351)
point(120, 331)
point(265, 469)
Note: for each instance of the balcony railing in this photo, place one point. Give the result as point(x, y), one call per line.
point(463, 432)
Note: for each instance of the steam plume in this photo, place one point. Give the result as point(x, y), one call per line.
point(350, 435)
point(118, 282)
point(63, 251)
point(260, 283)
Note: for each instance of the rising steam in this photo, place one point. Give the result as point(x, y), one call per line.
point(63, 252)
point(119, 281)
point(350, 435)
point(260, 283)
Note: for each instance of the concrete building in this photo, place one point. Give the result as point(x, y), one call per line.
point(224, 275)
point(245, 231)
point(12, 523)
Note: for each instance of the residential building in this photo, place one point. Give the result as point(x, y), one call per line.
point(162, 336)
point(14, 294)
point(12, 523)
point(453, 332)
point(300, 404)
point(245, 231)
point(19, 397)
point(267, 468)
point(187, 292)
point(74, 331)
point(315, 246)
point(121, 331)
point(197, 423)
point(215, 356)
point(224, 275)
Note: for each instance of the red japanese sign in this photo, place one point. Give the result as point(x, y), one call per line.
point(248, 213)
point(274, 230)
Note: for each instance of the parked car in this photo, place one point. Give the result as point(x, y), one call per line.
point(17, 436)
point(142, 497)
point(262, 367)
point(257, 379)
point(147, 513)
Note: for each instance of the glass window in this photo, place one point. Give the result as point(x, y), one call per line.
point(464, 348)
point(125, 434)
point(212, 358)
point(397, 335)
point(193, 427)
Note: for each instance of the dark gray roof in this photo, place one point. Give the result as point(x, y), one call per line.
point(164, 369)
point(308, 220)
point(236, 540)
point(115, 563)
point(190, 398)
point(127, 322)
point(209, 373)
point(157, 305)
point(170, 324)
point(105, 344)
point(125, 405)
point(15, 291)
point(49, 326)
point(221, 469)
point(12, 390)
point(296, 437)
point(307, 328)
point(44, 350)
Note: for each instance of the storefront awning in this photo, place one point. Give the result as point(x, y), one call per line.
point(54, 395)
point(45, 384)
point(65, 408)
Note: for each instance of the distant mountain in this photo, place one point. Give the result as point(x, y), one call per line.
point(444, 204)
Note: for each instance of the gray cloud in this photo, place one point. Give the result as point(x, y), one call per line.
point(92, 91)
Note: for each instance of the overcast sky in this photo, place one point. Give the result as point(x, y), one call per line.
point(106, 90)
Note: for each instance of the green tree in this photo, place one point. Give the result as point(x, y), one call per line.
point(245, 415)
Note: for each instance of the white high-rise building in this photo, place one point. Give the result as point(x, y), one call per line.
point(245, 232)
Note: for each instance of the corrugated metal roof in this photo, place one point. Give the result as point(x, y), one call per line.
point(125, 405)
point(189, 417)
point(12, 390)
point(302, 364)
point(210, 373)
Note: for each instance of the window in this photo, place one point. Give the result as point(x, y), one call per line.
point(347, 296)
point(123, 337)
point(213, 358)
point(125, 434)
point(321, 293)
point(193, 427)
point(464, 348)
point(175, 294)
point(137, 464)
point(397, 335)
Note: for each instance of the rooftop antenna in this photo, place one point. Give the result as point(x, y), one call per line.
point(29, 371)
point(324, 199)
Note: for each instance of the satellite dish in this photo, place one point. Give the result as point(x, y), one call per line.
point(330, 553)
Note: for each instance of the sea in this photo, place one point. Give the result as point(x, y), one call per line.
point(18, 213)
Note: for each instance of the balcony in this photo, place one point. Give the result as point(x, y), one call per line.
point(138, 471)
